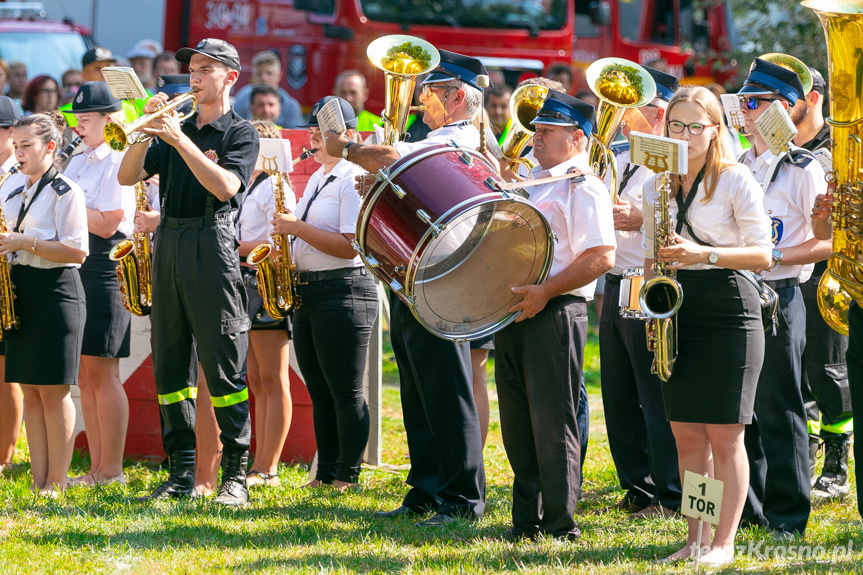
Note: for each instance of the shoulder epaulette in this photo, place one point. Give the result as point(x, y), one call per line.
point(799, 157)
point(580, 177)
point(60, 186)
point(620, 147)
point(15, 192)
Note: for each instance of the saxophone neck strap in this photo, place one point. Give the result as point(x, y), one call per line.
point(46, 178)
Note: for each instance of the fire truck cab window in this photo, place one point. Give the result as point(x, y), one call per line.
point(533, 15)
point(584, 25)
point(648, 21)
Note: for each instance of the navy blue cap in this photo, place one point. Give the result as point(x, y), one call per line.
point(769, 78)
point(95, 97)
point(97, 54)
point(174, 84)
point(561, 109)
point(459, 67)
point(347, 112)
point(666, 84)
point(9, 112)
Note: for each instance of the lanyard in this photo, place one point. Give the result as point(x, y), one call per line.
point(683, 205)
point(315, 195)
point(628, 171)
point(46, 177)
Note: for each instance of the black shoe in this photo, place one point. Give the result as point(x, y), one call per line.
point(181, 480)
point(833, 482)
point(629, 505)
point(400, 511)
point(233, 494)
point(573, 535)
point(436, 520)
point(233, 490)
point(515, 533)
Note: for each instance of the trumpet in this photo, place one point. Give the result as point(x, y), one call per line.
point(119, 136)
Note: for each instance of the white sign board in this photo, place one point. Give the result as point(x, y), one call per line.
point(702, 497)
point(274, 156)
point(657, 153)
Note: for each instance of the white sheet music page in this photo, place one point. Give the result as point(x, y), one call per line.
point(330, 117)
point(124, 83)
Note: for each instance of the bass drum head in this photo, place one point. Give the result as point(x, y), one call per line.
point(464, 275)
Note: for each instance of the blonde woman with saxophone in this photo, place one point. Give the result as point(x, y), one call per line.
point(107, 333)
point(710, 395)
point(267, 362)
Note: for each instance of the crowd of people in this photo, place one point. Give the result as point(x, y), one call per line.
point(747, 406)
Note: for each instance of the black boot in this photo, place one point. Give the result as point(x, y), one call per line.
point(233, 490)
point(181, 477)
point(814, 444)
point(834, 476)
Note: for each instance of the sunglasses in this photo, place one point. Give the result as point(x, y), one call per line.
point(752, 102)
point(695, 128)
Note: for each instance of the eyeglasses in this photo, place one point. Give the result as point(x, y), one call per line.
point(695, 128)
point(429, 87)
point(751, 102)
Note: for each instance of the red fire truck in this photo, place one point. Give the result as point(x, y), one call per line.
point(316, 39)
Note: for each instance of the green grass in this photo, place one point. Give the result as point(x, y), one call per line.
point(287, 529)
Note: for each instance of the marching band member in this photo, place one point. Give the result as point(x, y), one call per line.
point(48, 242)
point(269, 338)
point(339, 307)
point(724, 228)
point(199, 301)
point(107, 332)
point(444, 439)
point(540, 357)
point(824, 379)
point(777, 440)
point(639, 435)
point(11, 407)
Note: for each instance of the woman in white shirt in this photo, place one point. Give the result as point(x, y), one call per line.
point(339, 307)
point(710, 395)
point(269, 355)
point(47, 243)
point(107, 333)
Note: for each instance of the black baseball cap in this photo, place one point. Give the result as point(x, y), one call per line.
point(214, 48)
point(97, 54)
point(95, 97)
point(9, 112)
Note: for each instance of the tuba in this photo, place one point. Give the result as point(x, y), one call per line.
point(276, 276)
point(8, 319)
point(402, 58)
point(619, 84)
point(119, 136)
point(843, 280)
point(524, 104)
point(789, 62)
point(133, 264)
point(662, 295)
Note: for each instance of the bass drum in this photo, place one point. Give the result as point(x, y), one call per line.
point(437, 230)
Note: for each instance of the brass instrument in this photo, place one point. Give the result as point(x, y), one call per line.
point(789, 62)
point(134, 264)
point(402, 58)
point(119, 136)
point(277, 273)
point(8, 319)
point(524, 105)
point(661, 296)
point(619, 84)
point(843, 280)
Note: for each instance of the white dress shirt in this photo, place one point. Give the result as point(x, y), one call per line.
point(95, 171)
point(733, 217)
point(788, 202)
point(13, 182)
point(462, 133)
point(579, 214)
point(335, 209)
point(255, 223)
point(52, 217)
point(630, 251)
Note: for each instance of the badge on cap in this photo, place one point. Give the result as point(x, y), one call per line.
point(201, 44)
point(80, 97)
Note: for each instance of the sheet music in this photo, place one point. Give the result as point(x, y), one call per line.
point(776, 127)
point(274, 156)
point(658, 154)
point(733, 115)
point(124, 83)
point(330, 118)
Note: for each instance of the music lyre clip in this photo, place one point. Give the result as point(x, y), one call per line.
point(269, 164)
point(655, 162)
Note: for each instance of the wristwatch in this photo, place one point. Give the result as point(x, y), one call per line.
point(713, 257)
point(777, 255)
point(345, 149)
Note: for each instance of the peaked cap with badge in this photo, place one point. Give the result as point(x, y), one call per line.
point(561, 109)
point(214, 48)
point(458, 67)
point(768, 78)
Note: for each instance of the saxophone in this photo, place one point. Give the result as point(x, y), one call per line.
point(277, 282)
point(662, 295)
point(8, 319)
point(133, 264)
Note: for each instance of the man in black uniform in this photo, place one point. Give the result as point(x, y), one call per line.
point(199, 302)
point(825, 378)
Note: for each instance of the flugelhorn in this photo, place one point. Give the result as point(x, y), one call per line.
point(402, 58)
point(119, 136)
point(524, 105)
point(619, 84)
point(8, 319)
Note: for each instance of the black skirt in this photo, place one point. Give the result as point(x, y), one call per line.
point(108, 331)
point(46, 348)
point(720, 349)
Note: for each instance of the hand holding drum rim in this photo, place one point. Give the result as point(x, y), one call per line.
point(683, 252)
point(534, 298)
point(364, 184)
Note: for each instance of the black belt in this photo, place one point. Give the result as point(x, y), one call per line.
point(786, 283)
point(309, 277)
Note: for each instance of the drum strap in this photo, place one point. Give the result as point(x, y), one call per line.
point(507, 186)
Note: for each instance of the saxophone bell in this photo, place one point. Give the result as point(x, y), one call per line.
point(133, 260)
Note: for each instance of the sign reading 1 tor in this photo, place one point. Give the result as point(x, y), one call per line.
point(702, 497)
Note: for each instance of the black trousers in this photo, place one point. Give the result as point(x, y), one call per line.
point(538, 368)
point(825, 376)
point(199, 312)
point(331, 338)
point(777, 441)
point(639, 435)
point(441, 420)
point(854, 357)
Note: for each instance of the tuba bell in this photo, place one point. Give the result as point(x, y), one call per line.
point(619, 84)
point(843, 280)
point(402, 58)
point(789, 62)
point(524, 105)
